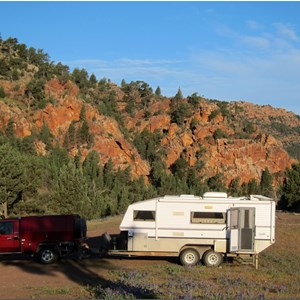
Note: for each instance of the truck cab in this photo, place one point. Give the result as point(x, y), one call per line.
point(47, 237)
point(9, 236)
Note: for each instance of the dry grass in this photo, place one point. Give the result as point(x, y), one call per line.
point(278, 275)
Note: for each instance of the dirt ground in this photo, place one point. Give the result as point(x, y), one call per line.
point(69, 278)
point(278, 275)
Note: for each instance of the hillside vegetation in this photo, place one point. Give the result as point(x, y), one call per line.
point(72, 143)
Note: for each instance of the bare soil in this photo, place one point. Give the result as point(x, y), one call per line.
point(69, 278)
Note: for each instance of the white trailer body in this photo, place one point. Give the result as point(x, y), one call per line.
point(216, 224)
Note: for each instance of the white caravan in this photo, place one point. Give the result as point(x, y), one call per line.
point(194, 228)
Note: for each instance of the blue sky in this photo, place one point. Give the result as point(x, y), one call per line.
point(228, 51)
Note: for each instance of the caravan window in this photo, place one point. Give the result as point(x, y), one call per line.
point(144, 215)
point(208, 217)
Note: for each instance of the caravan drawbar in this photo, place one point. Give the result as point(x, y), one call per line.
point(194, 228)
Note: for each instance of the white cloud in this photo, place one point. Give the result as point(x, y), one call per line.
point(256, 41)
point(262, 68)
point(286, 31)
point(268, 79)
point(252, 24)
point(83, 63)
point(147, 62)
point(226, 31)
point(284, 37)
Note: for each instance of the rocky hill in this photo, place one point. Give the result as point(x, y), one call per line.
point(134, 126)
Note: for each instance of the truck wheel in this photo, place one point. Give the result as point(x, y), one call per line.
point(189, 257)
point(212, 258)
point(47, 256)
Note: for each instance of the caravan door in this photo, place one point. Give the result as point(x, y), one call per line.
point(241, 224)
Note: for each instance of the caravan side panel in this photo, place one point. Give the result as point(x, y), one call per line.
point(179, 219)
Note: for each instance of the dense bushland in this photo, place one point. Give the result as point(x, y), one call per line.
point(59, 183)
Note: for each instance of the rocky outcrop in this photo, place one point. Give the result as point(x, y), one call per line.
point(11, 113)
point(247, 158)
point(231, 156)
point(109, 141)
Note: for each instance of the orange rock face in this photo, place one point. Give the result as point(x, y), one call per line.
point(109, 142)
point(232, 157)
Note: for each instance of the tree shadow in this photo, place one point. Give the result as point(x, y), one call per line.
point(86, 272)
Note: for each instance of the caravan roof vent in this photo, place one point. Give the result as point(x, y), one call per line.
point(186, 196)
point(215, 195)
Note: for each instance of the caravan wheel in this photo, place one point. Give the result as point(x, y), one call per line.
point(189, 257)
point(212, 258)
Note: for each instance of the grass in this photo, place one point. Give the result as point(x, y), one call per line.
point(49, 292)
point(105, 225)
point(55, 291)
point(278, 275)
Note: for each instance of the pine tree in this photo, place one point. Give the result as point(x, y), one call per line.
point(123, 84)
point(58, 157)
point(194, 100)
point(158, 92)
point(70, 137)
point(158, 170)
point(234, 187)
point(83, 134)
point(180, 168)
point(180, 112)
point(77, 159)
point(168, 185)
point(93, 80)
point(253, 187)
point(266, 184)
point(34, 177)
point(46, 136)
point(290, 198)
point(2, 92)
point(93, 173)
point(10, 129)
point(12, 179)
point(90, 166)
point(179, 95)
point(216, 183)
point(82, 113)
point(108, 173)
point(71, 192)
point(176, 100)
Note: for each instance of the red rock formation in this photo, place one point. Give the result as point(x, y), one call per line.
point(233, 157)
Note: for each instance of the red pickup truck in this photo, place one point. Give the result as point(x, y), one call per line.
point(47, 237)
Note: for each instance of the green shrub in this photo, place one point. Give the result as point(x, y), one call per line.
point(2, 92)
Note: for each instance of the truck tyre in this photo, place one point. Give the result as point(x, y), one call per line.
point(189, 257)
point(47, 256)
point(212, 258)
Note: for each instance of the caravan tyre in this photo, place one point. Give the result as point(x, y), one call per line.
point(212, 258)
point(189, 257)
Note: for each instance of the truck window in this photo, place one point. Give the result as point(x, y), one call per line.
point(6, 228)
point(144, 215)
point(201, 217)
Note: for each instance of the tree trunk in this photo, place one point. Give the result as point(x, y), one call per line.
point(4, 209)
